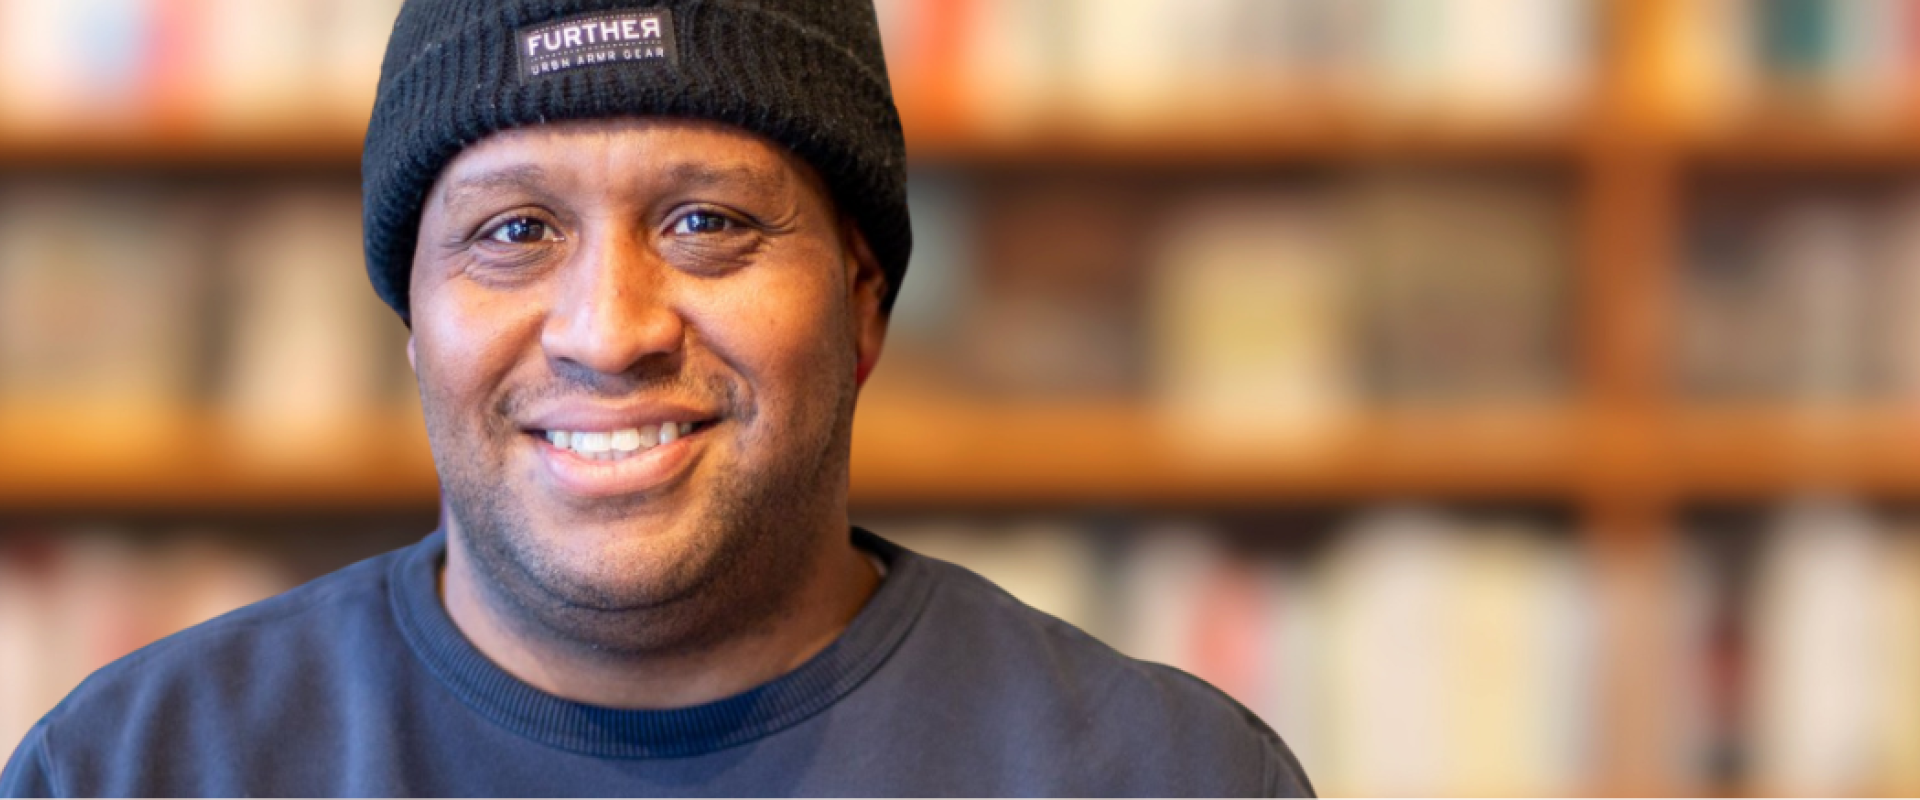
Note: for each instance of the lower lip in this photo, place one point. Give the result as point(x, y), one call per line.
point(640, 473)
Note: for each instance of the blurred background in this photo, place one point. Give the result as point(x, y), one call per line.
point(1496, 396)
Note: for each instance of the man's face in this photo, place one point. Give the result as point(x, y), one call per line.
point(637, 344)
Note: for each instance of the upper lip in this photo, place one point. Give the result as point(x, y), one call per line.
point(588, 416)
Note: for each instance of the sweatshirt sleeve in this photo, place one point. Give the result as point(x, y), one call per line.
point(1285, 777)
point(30, 772)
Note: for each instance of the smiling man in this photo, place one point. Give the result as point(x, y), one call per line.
point(647, 255)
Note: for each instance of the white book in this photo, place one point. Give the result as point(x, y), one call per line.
point(1517, 60)
point(306, 350)
point(77, 62)
point(1293, 701)
point(1402, 67)
point(257, 64)
point(351, 41)
point(1123, 63)
point(1897, 696)
point(1388, 722)
point(1817, 646)
point(1519, 696)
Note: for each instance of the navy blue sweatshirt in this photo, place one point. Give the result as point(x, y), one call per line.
point(359, 684)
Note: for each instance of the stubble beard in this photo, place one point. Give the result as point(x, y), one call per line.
point(753, 547)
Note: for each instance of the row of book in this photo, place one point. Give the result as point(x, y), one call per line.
point(1243, 301)
point(1008, 64)
point(135, 294)
point(1289, 300)
point(239, 63)
point(208, 63)
point(1799, 672)
point(1847, 60)
point(1420, 652)
point(1797, 290)
point(1012, 64)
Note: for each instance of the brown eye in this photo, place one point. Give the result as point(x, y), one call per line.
point(522, 230)
point(702, 222)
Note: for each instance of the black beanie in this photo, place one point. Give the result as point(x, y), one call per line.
point(808, 74)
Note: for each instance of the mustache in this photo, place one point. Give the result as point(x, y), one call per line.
point(713, 392)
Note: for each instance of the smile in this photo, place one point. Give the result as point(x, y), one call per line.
point(620, 444)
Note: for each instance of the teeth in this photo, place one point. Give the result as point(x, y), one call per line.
point(616, 445)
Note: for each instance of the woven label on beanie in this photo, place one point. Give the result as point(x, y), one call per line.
point(605, 37)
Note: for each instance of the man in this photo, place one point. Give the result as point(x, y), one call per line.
point(647, 257)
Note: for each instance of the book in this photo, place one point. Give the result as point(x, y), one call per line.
point(309, 348)
point(1462, 286)
point(1252, 318)
point(1816, 646)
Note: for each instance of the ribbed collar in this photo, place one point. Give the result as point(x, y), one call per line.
point(621, 733)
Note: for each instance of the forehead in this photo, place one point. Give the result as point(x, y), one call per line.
point(638, 154)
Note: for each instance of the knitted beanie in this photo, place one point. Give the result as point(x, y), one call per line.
point(808, 74)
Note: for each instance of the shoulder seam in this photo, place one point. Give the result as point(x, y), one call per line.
point(46, 757)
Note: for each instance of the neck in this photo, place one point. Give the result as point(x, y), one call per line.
point(808, 618)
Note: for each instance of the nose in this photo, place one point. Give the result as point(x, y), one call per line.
point(612, 311)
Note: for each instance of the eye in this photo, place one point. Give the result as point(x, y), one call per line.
point(523, 230)
point(699, 222)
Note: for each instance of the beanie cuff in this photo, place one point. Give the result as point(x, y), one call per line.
point(453, 77)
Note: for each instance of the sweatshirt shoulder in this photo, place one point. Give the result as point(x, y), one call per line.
point(238, 650)
point(1146, 714)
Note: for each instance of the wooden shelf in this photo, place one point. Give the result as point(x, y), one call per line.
point(1760, 453)
point(959, 454)
point(1802, 145)
point(953, 455)
point(1291, 139)
point(1331, 137)
point(173, 460)
point(1302, 138)
point(324, 144)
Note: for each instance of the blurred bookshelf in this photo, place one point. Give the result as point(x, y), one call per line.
point(1620, 260)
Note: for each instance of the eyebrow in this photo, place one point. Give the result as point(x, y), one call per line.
point(523, 177)
point(704, 175)
point(532, 178)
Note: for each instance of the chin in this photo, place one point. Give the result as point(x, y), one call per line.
point(623, 563)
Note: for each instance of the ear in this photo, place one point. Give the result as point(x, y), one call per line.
point(866, 287)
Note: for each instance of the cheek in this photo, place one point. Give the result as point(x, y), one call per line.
point(464, 346)
point(787, 337)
